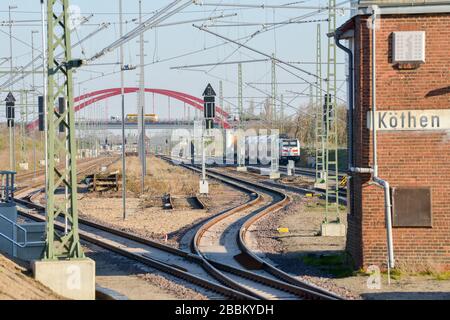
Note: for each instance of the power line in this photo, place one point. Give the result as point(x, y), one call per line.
point(255, 50)
point(264, 6)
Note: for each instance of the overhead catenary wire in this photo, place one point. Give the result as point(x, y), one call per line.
point(261, 24)
point(265, 6)
point(106, 74)
point(245, 37)
point(298, 18)
point(257, 51)
point(266, 55)
point(154, 20)
point(15, 78)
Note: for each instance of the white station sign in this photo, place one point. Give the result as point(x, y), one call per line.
point(410, 120)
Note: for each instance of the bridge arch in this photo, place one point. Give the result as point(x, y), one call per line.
point(87, 99)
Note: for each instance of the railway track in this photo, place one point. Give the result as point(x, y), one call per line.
point(296, 189)
point(167, 259)
point(178, 263)
point(25, 186)
point(221, 242)
point(308, 172)
point(231, 281)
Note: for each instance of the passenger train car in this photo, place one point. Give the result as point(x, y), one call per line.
point(288, 149)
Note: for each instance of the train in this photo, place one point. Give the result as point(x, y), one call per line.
point(288, 148)
point(148, 118)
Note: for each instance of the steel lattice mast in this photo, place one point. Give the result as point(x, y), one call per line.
point(274, 92)
point(240, 95)
point(141, 104)
point(320, 125)
point(221, 95)
point(22, 127)
point(60, 84)
point(331, 141)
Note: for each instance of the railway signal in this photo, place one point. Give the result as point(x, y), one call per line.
point(10, 116)
point(209, 113)
point(209, 110)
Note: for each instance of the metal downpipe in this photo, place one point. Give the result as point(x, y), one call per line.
point(380, 182)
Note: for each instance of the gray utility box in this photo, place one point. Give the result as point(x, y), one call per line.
point(8, 211)
point(13, 233)
point(36, 236)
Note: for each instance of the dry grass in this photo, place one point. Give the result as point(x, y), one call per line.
point(16, 285)
point(145, 213)
point(425, 269)
point(161, 178)
point(4, 148)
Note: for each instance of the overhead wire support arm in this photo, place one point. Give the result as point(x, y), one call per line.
point(262, 24)
point(219, 63)
point(256, 51)
point(197, 20)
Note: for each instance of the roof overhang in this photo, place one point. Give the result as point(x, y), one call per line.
point(392, 8)
point(403, 6)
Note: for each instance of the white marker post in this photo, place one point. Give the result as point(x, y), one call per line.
point(291, 168)
point(240, 149)
point(204, 187)
point(274, 153)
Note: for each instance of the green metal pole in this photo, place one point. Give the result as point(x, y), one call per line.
point(240, 95)
point(320, 132)
point(22, 127)
point(331, 142)
point(273, 116)
point(67, 245)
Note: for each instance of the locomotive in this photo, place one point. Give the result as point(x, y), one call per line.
point(288, 149)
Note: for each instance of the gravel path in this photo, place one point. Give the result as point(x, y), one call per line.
point(287, 250)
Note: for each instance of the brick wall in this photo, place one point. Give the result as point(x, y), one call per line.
point(408, 158)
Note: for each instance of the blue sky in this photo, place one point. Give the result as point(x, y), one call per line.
point(295, 42)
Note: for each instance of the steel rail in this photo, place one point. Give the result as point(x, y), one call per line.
point(314, 292)
point(237, 291)
point(279, 200)
point(227, 288)
point(163, 266)
point(301, 190)
point(92, 163)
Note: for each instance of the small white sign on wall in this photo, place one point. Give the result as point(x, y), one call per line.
point(408, 46)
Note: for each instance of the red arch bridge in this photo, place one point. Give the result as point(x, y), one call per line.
point(88, 99)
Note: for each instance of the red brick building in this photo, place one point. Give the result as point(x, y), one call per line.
point(413, 122)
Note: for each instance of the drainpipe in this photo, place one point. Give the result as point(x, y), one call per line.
point(380, 182)
point(337, 39)
point(351, 169)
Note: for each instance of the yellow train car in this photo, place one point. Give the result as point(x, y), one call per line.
point(148, 118)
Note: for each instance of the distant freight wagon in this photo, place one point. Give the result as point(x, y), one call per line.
point(148, 118)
